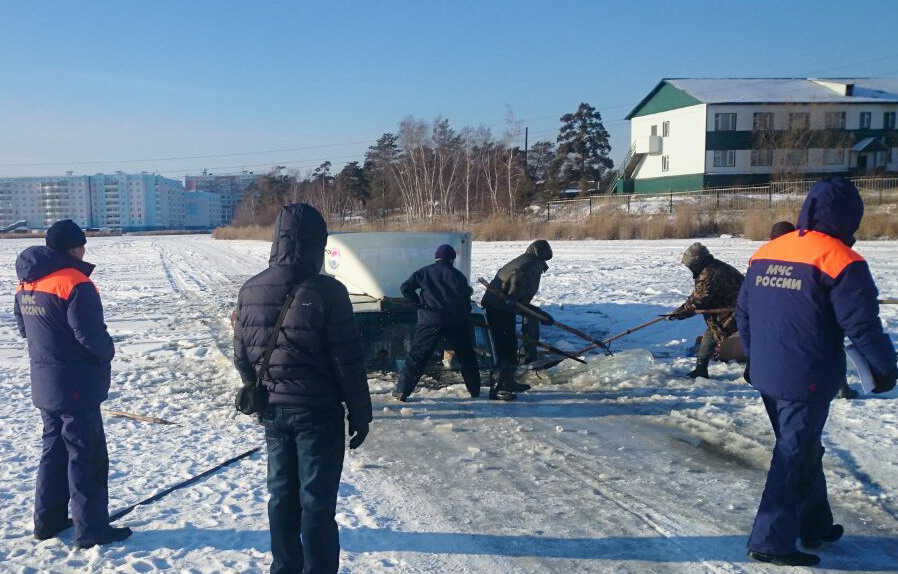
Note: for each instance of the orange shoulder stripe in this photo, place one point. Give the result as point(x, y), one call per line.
point(59, 283)
point(822, 251)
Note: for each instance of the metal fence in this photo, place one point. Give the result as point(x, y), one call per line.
point(788, 195)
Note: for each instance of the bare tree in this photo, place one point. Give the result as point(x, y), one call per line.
point(447, 157)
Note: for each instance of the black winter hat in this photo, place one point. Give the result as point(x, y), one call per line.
point(781, 228)
point(64, 235)
point(444, 251)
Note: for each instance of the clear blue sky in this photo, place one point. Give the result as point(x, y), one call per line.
point(131, 85)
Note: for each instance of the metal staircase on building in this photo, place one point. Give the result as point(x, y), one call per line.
point(628, 166)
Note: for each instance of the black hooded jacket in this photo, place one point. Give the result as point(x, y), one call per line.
point(519, 278)
point(318, 358)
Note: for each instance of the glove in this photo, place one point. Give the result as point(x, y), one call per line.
point(357, 434)
point(884, 382)
point(679, 315)
point(511, 304)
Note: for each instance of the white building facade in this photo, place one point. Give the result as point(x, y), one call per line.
point(128, 201)
point(692, 134)
point(230, 188)
point(202, 210)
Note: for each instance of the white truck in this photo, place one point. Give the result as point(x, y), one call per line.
point(373, 266)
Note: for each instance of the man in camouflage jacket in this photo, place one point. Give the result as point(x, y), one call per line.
point(717, 286)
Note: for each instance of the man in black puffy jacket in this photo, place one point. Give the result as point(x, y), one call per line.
point(444, 310)
point(316, 366)
point(518, 280)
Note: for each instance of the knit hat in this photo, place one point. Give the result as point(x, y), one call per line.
point(695, 255)
point(781, 228)
point(64, 235)
point(444, 251)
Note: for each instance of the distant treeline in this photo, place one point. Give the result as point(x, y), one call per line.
point(428, 171)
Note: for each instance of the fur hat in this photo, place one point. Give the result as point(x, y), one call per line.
point(444, 251)
point(64, 235)
point(781, 228)
point(695, 255)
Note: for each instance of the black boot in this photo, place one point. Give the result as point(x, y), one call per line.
point(835, 532)
point(518, 387)
point(796, 558)
point(47, 531)
point(500, 381)
point(114, 535)
point(701, 368)
point(500, 395)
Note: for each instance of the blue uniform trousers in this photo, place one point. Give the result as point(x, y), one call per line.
point(794, 503)
point(305, 459)
point(74, 467)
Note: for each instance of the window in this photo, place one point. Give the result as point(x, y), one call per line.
point(888, 121)
point(763, 121)
point(866, 118)
point(724, 158)
point(665, 129)
point(762, 157)
point(724, 122)
point(835, 120)
point(796, 157)
point(799, 121)
point(835, 156)
point(655, 130)
point(665, 162)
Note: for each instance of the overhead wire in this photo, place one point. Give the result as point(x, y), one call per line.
point(314, 162)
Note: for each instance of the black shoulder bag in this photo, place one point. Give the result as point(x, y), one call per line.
point(252, 399)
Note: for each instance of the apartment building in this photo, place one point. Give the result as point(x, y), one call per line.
point(141, 201)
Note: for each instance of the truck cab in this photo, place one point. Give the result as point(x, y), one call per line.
point(373, 266)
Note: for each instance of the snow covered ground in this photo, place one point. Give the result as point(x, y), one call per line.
point(621, 465)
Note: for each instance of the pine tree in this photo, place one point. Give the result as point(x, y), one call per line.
point(583, 147)
point(379, 161)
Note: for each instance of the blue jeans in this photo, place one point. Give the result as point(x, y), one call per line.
point(305, 461)
point(74, 469)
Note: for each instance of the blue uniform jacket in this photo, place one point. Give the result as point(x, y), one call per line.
point(58, 310)
point(803, 293)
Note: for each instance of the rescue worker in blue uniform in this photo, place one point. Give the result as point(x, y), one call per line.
point(442, 295)
point(803, 293)
point(58, 310)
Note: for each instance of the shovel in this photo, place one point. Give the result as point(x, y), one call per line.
point(548, 363)
point(542, 317)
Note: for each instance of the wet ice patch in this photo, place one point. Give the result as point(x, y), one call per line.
point(622, 367)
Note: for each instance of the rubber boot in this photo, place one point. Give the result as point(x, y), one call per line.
point(499, 384)
point(701, 368)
